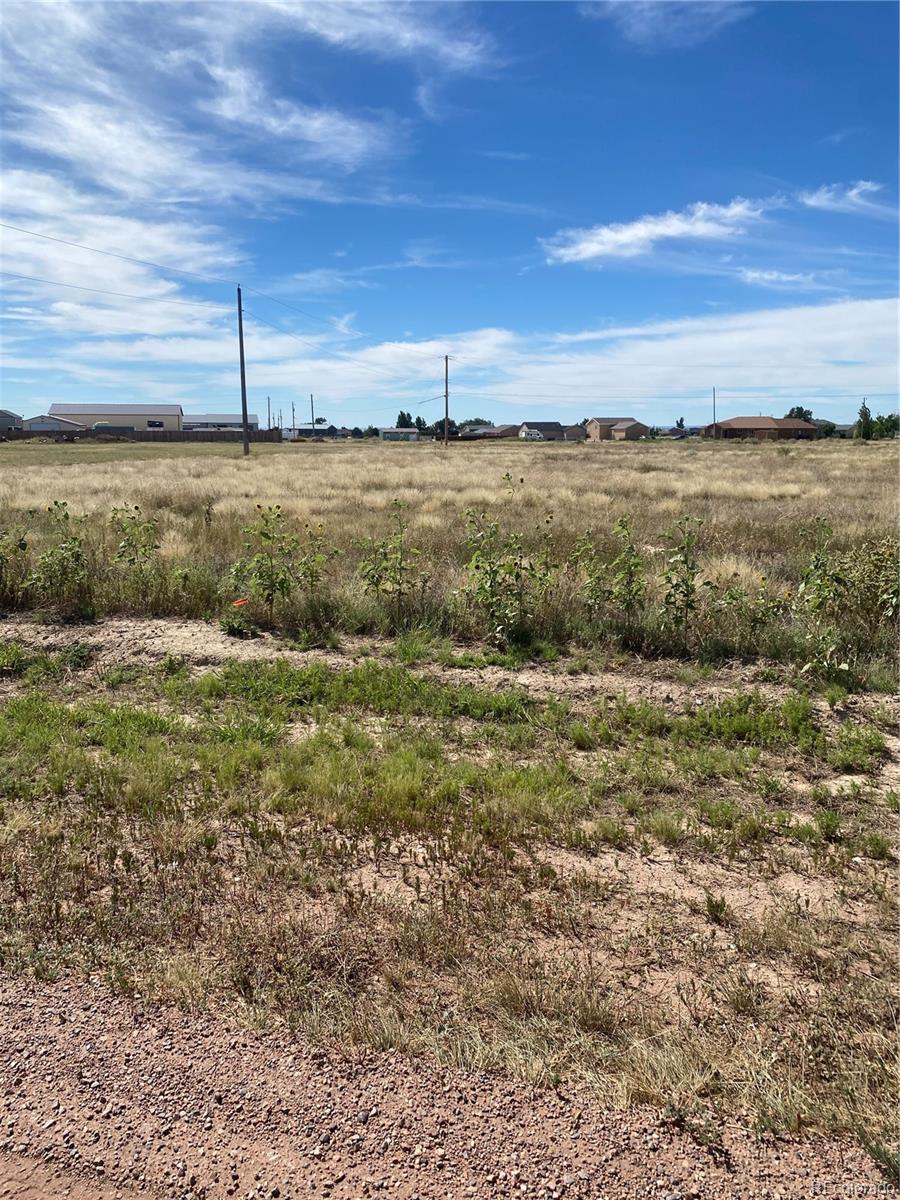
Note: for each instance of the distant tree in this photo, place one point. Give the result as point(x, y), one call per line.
point(404, 420)
point(799, 413)
point(679, 424)
point(421, 424)
point(437, 429)
point(321, 421)
point(356, 432)
point(479, 421)
point(370, 431)
point(827, 429)
point(886, 425)
point(864, 424)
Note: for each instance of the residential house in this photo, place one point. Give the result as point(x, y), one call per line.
point(298, 432)
point(615, 429)
point(9, 421)
point(574, 433)
point(767, 429)
point(399, 435)
point(541, 431)
point(122, 417)
point(502, 431)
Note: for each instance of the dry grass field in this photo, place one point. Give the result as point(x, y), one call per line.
point(616, 812)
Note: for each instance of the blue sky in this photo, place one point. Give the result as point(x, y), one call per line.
point(593, 208)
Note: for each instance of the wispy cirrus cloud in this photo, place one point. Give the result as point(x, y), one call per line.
point(631, 239)
point(790, 281)
point(318, 133)
point(441, 33)
point(667, 24)
point(852, 198)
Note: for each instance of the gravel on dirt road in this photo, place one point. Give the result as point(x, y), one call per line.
point(102, 1097)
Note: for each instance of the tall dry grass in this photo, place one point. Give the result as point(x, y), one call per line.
point(759, 506)
point(753, 498)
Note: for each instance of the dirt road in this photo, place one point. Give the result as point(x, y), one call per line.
point(102, 1098)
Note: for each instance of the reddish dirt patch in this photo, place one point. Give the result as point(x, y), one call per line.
point(103, 1098)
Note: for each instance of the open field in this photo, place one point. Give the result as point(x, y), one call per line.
point(398, 847)
point(786, 552)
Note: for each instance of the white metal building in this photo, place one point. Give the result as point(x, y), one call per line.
point(122, 416)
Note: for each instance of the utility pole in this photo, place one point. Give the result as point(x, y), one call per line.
point(244, 424)
point(714, 413)
point(312, 413)
point(268, 412)
point(293, 417)
point(446, 398)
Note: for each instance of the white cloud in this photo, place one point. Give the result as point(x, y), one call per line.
point(699, 222)
point(854, 199)
point(324, 280)
point(319, 133)
point(668, 24)
point(787, 280)
point(441, 33)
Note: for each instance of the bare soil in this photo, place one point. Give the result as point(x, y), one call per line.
point(145, 641)
point(105, 1098)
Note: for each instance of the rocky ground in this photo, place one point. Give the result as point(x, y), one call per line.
point(103, 1099)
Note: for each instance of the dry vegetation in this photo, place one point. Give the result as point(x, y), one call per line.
point(788, 552)
point(672, 878)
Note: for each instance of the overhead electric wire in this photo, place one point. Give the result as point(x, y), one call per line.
point(146, 262)
point(80, 287)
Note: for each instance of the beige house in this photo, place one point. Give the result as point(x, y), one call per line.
point(615, 429)
point(122, 417)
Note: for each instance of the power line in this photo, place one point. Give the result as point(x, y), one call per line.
point(146, 262)
point(122, 295)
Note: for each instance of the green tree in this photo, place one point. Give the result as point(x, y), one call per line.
point(356, 432)
point(370, 431)
point(828, 429)
point(886, 425)
point(679, 424)
point(421, 424)
point(404, 420)
point(799, 413)
point(864, 424)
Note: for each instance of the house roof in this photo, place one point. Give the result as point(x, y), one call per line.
point(54, 417)
point(613, 420)
point(5, 412)
point(627, 422)
point(115, 410)
point(542, 426)
point(765, 423)
point(220, 418)
point(397, 429)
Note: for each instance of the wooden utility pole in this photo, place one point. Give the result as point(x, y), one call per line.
point(715, 431)
point(446, 398)
point(268, 412)
point(293, 417)
point(312, 413)
point(244, 424)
